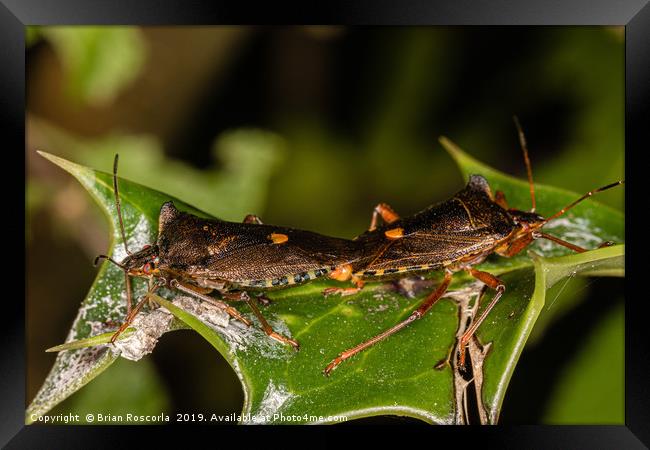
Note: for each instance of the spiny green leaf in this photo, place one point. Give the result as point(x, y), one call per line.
point(126, 393)
point(105, 303)
point(396, 376)
point(521, 305)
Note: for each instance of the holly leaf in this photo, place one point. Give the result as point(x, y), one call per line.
point(395, 376)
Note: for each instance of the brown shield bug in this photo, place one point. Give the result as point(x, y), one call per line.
point(451, 236)
point(195, 256)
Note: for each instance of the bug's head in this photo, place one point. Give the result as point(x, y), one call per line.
point(529, 221)
point(139, 264)
point(526, 221)
point(142, 263)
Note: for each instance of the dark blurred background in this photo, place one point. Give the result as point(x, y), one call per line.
point(310, 127)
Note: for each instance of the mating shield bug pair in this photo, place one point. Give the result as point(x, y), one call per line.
point(196, 256)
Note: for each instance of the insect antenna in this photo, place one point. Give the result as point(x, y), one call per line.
point(529, 170)
point(117, 203)
point(108, 258)
point(119, 215)
point(587, 195)
point(124, 268)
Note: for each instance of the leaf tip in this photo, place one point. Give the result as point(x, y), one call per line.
point(57, 348)
point(80, 172)
point(63, 163)
point(48, 156)
point(454, 150)
point(447, 144)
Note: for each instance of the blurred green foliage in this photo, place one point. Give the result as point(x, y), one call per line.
point(99, 61)
point(591, 389)
point(234, 186)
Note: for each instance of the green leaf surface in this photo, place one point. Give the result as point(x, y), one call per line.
point(396, 376)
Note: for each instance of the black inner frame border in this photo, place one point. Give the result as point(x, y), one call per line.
point(634, 14)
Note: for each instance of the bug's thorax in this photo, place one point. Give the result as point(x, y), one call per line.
point(453, 234)
point(470, 212)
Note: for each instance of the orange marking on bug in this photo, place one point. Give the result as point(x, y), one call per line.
point(279, 238)
point(387, 213)
point(395, 233)
point(341, 273)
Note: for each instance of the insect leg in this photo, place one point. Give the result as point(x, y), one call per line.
point(514, 247)
point(252, 218)
point(344, 273)
point(127, 283)
point(518, 245)
point(134, 312)
point(152, 287)
point(343, 292)
point(447, 360)
point(199, 289)
point(386, 213)
point(417, 314)
point(499, 287)
point(268, 329)
point(129, 319)
point(263, 299)
point(559, 241)
point(238, 297)
point(219, 304)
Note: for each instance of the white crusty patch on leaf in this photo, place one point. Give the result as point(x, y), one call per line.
point(276, 396)
point(72, 370)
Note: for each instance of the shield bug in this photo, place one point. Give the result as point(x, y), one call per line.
point(451, 236)
point(196, 256)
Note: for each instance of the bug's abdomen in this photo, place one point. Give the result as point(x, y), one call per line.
point(283, 281)
point(397, 271)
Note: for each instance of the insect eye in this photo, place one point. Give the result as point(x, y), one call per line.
point(147, 268)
